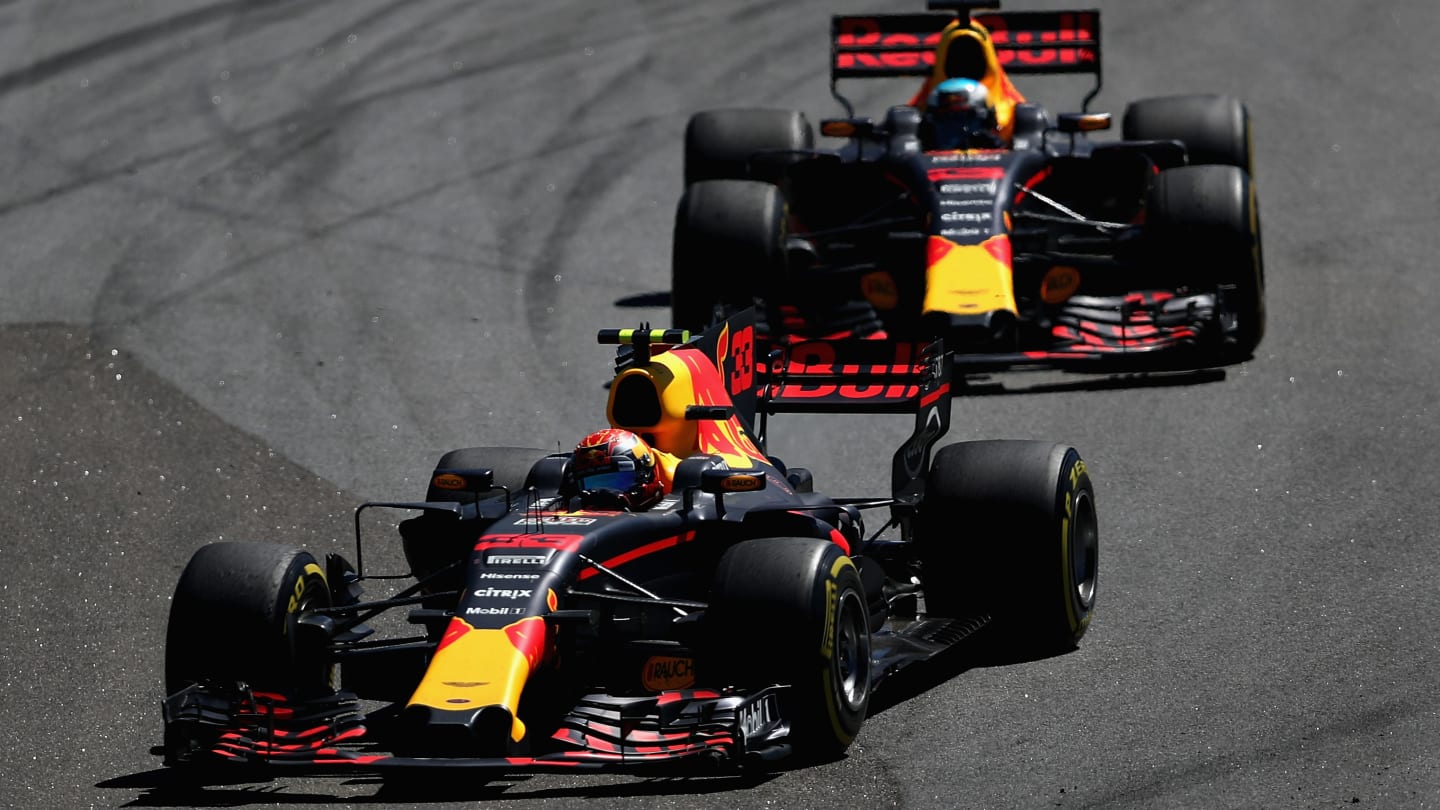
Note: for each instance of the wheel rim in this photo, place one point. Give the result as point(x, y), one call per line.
point(852, 651)
point(1084, 550)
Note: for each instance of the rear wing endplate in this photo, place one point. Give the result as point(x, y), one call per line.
point(865, 376)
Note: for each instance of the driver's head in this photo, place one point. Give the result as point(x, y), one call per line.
point(615, 468)
point(960, 115)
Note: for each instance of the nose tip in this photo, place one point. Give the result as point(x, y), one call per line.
point(482, 731)
point(988, 331)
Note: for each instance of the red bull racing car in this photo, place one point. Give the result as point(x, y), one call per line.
point(972, 214)
point(546, 622)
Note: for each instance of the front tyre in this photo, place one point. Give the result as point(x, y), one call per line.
point(1204, 222)
point(1009, 528)
point(233, 619)
point(792, 610)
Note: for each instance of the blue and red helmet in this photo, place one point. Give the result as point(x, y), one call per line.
point(616, 465)
point(960, 115)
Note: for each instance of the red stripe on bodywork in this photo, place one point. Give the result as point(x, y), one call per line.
point(965, 173)
point(1039, 178)
point(934, 395)
point(937, 248)
point(528, 636)
point(458, 627)
point(641, 551)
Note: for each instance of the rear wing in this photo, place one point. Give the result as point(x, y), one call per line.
point(865, 376)
point(1045, 41)
point(811, 376)
point(1026, 42)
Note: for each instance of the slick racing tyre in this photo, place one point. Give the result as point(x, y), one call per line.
point(233, 619)
point(1204, 221)
point(511, 466)
point(744, 144)
point(792, 610)
point(729, 238)
point(1008, 528)
point(1214, 129)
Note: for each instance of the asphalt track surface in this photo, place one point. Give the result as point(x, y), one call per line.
point(264, 260)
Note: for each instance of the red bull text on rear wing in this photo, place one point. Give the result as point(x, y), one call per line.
point(866, 376)
point(892, 45)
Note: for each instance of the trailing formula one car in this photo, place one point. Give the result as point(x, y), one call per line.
point(569, 614)
point(973, 215)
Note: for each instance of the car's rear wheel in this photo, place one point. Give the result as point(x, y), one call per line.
point(1008, 529)
point(792, 610)
point(1204, 223)
point(744, 144)
point(233, 616)
point(511, 466)
point(729, 238)
point(1215, 129)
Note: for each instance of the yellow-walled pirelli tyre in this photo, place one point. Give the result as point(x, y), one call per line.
point(232, 619)
point(791, 610)
point(1008, 529)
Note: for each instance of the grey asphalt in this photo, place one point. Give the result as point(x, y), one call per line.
point(260, 261)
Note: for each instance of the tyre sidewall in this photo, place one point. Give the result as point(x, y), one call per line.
point(233, 614)
point(1072, 590)
point(783, 600)
point(1007, 511)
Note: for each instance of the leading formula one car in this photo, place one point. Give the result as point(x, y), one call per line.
point(1022, 241)
point(741, 618)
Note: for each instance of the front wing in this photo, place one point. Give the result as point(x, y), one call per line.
point(232, 724)
point(1141, 331)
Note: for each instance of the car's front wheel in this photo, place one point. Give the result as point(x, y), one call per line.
point(232, 619)
point(1204, 223)
point(792, 610)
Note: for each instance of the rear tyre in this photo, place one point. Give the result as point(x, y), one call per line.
point(1205, 221)
point(744, 144)
point(1008, 528)
point(233, 615)
point(729, 238)
point(1215, 129)
point(792, 610)
point(511, 466)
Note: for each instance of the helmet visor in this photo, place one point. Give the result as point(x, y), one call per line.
point(621, 479)
point(954, 103)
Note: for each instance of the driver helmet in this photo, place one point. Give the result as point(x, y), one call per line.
point(961, 115)
point(616, 469)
